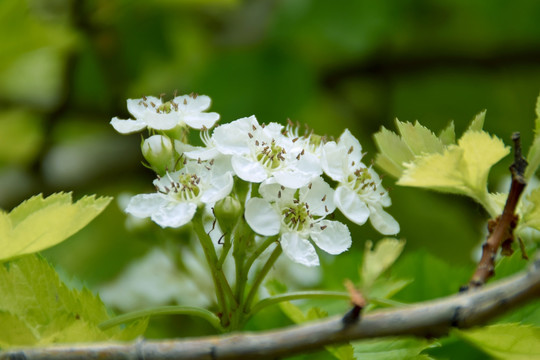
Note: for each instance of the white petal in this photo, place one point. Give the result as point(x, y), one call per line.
point(382, 221)
point(348, 141)
point(271, 191)
point(292, 179)
point(248, 170)
point(200, 120)
point(299, 249)
point(161, 121)
point(127, 126)
point(233, 138)
point(262, 217)
point(313, 195)
point(144, 205)
point(331, 236)
point(221, 187)
point(309, 163)
point(136, 107)
point(333, 157)
point(175, 214)
point(188, 103)
point(351, 205)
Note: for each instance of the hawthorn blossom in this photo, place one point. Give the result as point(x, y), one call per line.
point(153, 113)
point(180, 193)
point(259, 152)
point(298, 215)
point(359, 194)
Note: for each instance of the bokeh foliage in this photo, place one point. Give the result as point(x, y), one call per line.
point(67, 67)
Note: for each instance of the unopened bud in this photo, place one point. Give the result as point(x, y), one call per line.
point(159, 152)
point(228, 211)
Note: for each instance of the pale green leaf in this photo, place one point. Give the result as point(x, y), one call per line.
point(39, 223)
point(405, 348)
point(477, 123)
point(531, 210)
point(461, 169)
point(533, 158)
point(480, 152)
point(505, 341)
point(419, 139)
point(378, 260)
point(448, 134)
point(393, 152)
point(14, 331)
point(38, 303)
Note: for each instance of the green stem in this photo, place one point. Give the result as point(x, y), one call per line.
point(227, 243)
point(164, 310)
point(260, 277)
point(264, 245)
point(220, 281)
point(299, 295)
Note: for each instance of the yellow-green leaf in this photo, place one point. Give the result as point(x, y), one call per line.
point(408, 348)
point(478, 122)
point(448, 134)
point(460, 169)
point(378, 260)
point(419, 139)
point(531, 210)
point(39, 223)
point(505, 341)
point(393, 152)
point(36, 308)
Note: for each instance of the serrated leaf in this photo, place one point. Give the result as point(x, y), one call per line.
point(33, 295)
point(14, 331)
point(393, 152)
point(531, 210)
point(406, 348)
point(505, 341)
point(39, 223)
point(533, 158)
point(378, 260)
point(477, 123)
point(461, 169)
point(448, 134)
point(419, 139)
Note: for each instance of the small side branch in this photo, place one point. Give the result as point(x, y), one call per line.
point(501, 229)
point(427, 319)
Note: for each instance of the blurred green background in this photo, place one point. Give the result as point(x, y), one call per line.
point(68, 66)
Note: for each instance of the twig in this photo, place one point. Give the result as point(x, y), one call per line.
point(427, 319)
point(501, 232)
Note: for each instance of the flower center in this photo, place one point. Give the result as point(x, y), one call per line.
point(186, 188)
point(360, 180)
point(269, 155)
point(297, 216)
point(165, 108)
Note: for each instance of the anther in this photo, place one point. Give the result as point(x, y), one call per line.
point(324, 198)
point(253, 127)
point(324, 227)
point(350, 150)
point(185, 101)
point(250, 135)
point(309, 186)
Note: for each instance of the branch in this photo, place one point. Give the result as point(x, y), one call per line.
point(427, 319)
point(501, 230)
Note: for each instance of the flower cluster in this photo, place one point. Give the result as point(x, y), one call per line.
point(287, 175)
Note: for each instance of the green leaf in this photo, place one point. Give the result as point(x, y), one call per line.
point(393, 152)
point(433, 278)
point(448, 134)
point(378, 260)
point(39, 223)
point(505, 341)
point(531, 210)
point(533, 158)
point(419, 139)
point(41, 310)
point(406, 348)
point(461, 169)
point(477, 123)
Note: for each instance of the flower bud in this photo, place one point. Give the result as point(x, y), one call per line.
point(228, 211)
point(159, 152)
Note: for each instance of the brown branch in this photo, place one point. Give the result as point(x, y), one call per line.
point(501, 230)
point(427, 319)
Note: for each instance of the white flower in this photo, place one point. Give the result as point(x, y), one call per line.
point(260, 152)
point(298, 215)
point(359, 194)
point(180, 193)
point(155, 114)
